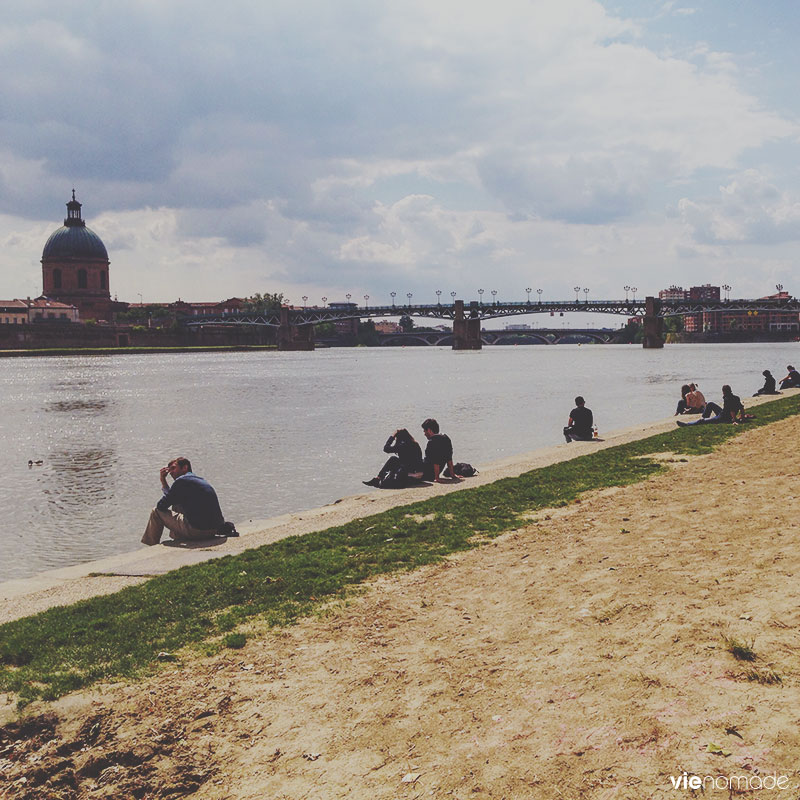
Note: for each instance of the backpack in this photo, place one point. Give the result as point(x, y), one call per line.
point(464, 470)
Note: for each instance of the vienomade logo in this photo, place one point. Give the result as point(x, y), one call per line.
point(729, 783)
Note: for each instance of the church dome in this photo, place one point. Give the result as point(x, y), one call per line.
point(74, 239)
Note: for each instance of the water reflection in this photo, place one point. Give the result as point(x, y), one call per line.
point(94, 405)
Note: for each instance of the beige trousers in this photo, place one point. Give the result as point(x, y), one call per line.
point(179, 529)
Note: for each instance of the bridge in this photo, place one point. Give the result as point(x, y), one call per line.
point(437, 338)
point(296, 325)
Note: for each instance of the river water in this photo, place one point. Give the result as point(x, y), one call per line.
point(279, 432)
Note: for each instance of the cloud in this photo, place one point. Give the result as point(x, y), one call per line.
point(316, 144)
point(749, 210)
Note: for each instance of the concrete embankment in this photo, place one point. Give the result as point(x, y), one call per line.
point(19, 598)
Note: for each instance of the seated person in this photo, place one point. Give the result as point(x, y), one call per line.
point(769, 384)
point(695, 401)
point(732, 410)
point(438, 453)
point(580, 427)
point(792, 380)
point(403, 468)
point(681, 409)
point(189, 508)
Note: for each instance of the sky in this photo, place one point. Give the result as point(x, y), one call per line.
point(320, 148)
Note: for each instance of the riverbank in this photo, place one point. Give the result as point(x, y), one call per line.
point(599, 650)
point(26, 596)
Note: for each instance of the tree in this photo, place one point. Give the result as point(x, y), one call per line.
point(263, 302)
point(406, 323)
point(367, 335)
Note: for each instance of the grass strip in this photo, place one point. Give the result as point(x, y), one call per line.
point(120, 635)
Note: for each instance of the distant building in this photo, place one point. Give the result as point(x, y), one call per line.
point(673, 293)
point(705, 292)
point(384, 326)
point(75, 268)
point(345, 327)
point(42, 309)
point(13, 312)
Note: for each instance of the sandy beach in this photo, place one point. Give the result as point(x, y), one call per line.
point(587, 654)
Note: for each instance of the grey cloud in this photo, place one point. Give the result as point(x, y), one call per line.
point(580, 190)
point(749, 210)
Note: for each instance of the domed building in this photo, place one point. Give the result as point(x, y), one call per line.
point(75, 267)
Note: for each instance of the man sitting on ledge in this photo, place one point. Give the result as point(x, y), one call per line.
point(189, 508)
point(580, 427)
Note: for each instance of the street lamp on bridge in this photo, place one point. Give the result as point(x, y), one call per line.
point(577, 292)
point(539, 292)
point(438, 297)
point(366, 301)
point(453, 295)
point(727, 289)
point(305, 300)
point(586, 292)
point(348, 296)
point(409, 295)
point(324, 301)
point(627, 289)
point(494, 296)
point(779, 287)
point(480, 293)
point(529, 295)
point(393, 294)
point(633, 289)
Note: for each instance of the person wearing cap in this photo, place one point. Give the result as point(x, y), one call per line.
point(580, 427)
point(769, 384)
point(792, 380)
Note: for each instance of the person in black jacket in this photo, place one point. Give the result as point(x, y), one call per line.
point(769, 384)
point(792, 379)
point(438, 453)
point(403, 467)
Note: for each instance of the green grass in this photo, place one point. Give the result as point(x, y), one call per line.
point(120, 635)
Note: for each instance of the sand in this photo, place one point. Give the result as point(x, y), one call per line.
point(583, 655)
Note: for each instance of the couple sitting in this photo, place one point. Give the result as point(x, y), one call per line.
point(692, 400)
point(408, 467)
point(732, 410)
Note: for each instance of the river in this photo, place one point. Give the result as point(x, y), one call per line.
point(279, 432)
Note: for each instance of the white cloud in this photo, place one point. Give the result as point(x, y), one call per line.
point(357, 144)
point(749, 209)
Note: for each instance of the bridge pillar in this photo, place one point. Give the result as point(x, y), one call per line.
point(294, 337)
point(653, 325)
point(466, 330)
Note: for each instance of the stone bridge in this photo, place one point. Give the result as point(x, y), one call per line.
point(296, 325)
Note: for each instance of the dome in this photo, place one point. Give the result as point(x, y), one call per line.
point(74, 242)
point(74, 239)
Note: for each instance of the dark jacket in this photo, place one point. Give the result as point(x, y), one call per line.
point(197, 501)
point(409, 453)
point(438, 451)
